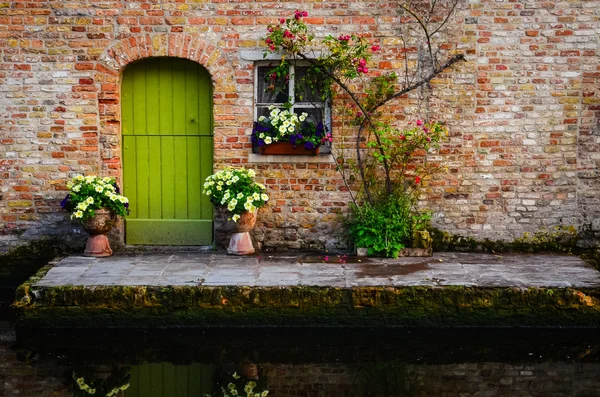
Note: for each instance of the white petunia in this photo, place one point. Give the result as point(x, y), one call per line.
point(264, 197)
point(123, 199)
point(240, 195)
point(235, 217)
point(99, 189)
point(268, 140)
point(262, 118)
point(256, 196)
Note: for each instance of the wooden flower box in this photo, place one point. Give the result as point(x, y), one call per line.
point(287, 148)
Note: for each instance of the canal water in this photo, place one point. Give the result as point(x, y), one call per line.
point(292, 362)
point(301, 362)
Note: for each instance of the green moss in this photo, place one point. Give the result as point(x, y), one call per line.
point(80, 306)
point(561, 239)
point(28, 258)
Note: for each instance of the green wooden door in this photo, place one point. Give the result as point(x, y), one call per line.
point(167, 152)
point(168, 380)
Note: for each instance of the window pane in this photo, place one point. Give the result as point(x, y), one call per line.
point(307, 89)
point(265, 93)
point(262, 111)
point(315, 115)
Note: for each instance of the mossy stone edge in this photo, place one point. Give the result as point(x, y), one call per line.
point(135, 306)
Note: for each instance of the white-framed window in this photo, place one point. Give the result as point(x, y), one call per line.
point(303, 99)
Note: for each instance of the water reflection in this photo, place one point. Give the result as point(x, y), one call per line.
point(309, 362)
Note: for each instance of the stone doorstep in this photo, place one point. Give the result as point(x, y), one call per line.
point(218, 269)
point(448, 289)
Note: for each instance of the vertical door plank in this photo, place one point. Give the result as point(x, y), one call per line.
point(144, 381)
point(127, 103)
point(139, 99)
point(194, 178)
point(152, 98)
point(154, 178)
point(205, 103)
point(181, 381)
point(168, 177)
point(165, 87)
point(168, 379)
point(195, 379)
point(156, 379)
point(178, 99)
point(193, 94)
point(206, 169)
point(181, 181)
point(129, 173)
point(142, 176)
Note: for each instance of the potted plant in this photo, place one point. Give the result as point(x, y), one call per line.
point(95, 202)
point(235, 190)
point(286, 132)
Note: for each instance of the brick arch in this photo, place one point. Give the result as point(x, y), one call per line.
point(121, 53)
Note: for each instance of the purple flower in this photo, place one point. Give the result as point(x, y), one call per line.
point(309, 145)
point(64, 202)
point(320, 130)
point(117, 188)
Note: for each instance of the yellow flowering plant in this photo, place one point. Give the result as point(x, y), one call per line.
point(234, 387)
point(236, 190)
point(111, 386)
point(90, 193)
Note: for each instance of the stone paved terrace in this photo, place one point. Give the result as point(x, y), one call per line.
point(213, 289)
point(210, 269)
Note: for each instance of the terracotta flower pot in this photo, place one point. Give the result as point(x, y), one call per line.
point(97, 227)
point(241, 242)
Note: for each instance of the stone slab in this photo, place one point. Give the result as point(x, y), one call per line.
point(211, 289)
point(206, 268)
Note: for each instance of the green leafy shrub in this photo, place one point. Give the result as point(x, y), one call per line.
point(385, 227)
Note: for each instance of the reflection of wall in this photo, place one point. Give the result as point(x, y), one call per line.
point(18, 378)
point(327, 380)
point(168, 380)
point(470, 379)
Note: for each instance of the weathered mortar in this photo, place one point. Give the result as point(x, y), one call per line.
point(523, 111)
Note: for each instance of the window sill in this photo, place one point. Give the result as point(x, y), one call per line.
point(325, 158)
point(258, 55)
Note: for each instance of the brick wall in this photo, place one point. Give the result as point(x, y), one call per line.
point(523, 111)
point(468, 379)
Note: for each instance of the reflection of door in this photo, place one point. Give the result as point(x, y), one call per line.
point(167, 152)
point(168, 380)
